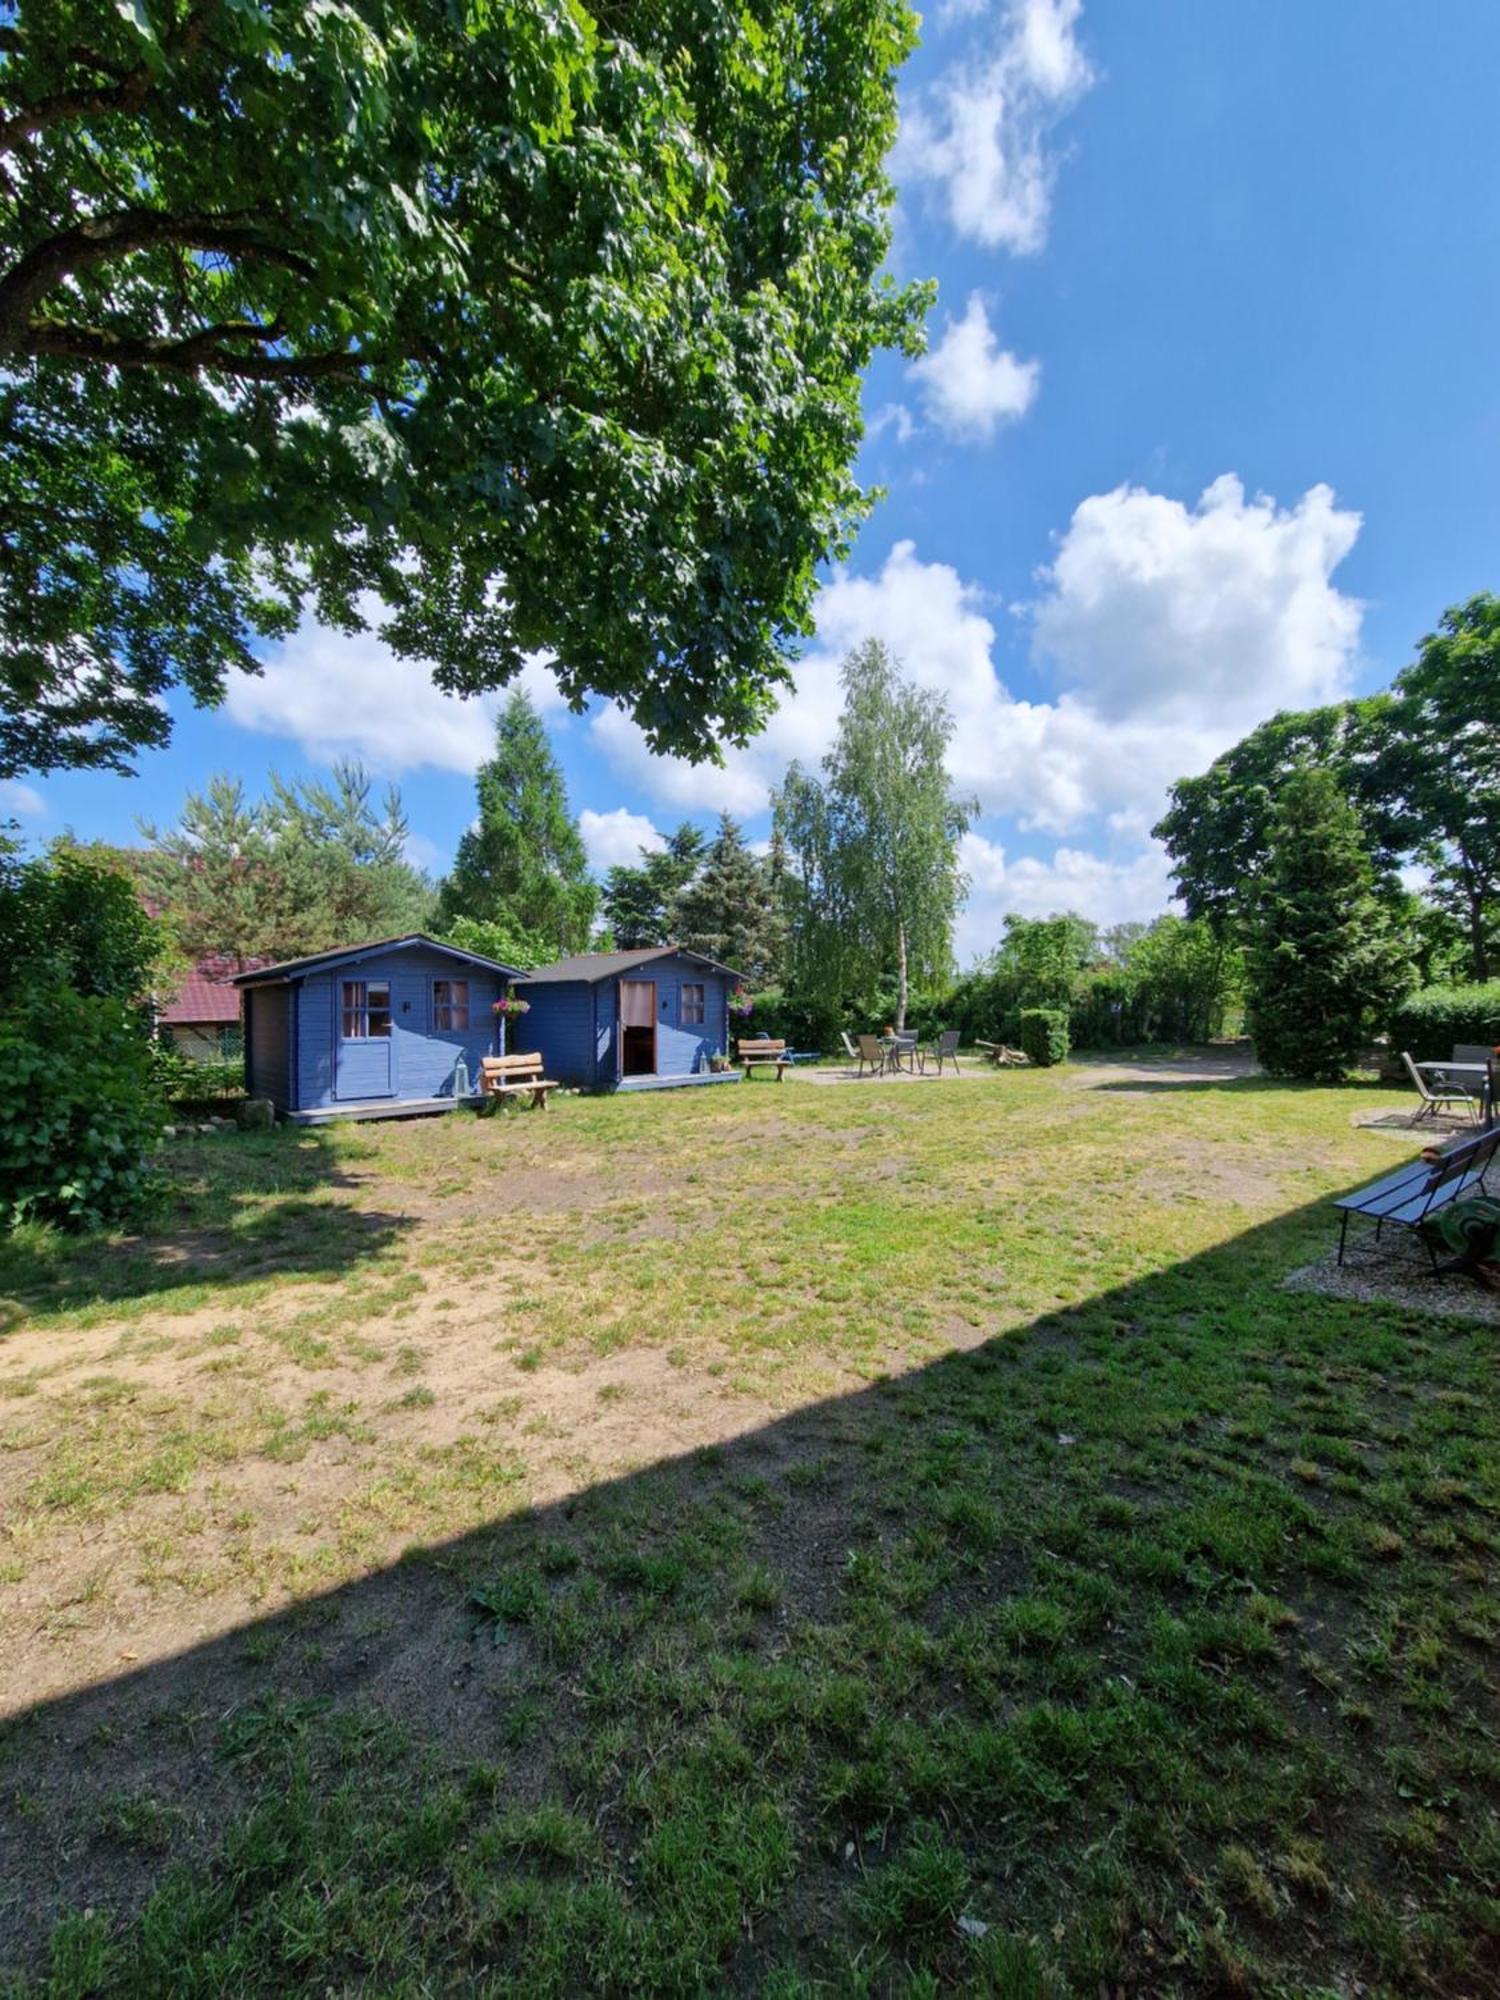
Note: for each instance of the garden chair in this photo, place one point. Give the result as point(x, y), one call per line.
point(944, 1049)
point(1438, 1093)
point(870, 1053)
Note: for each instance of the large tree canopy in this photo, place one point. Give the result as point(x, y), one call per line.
point(1439, 767)
point(1323, 960)
point(1419, 765)
point(538, 325)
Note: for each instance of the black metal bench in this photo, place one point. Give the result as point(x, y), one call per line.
point(1422, 1189)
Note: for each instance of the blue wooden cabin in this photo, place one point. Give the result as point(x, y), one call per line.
point(373, 1030)
point(629, 1020)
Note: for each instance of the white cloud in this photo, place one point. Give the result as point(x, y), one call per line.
point(1170, 629)
point(982, 134)
point(617, 838)
point(890, 416)
point(343, 695)
point(1224, 610)
point(970, 382)
point(1134, 888)
point(18, 801)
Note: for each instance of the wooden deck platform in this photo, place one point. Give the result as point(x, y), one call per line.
point(679, 1082)
point(381, 1107)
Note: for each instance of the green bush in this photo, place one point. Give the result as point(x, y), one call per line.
point(1429, 1023)
point(1044, 1034)
point(79, 1110)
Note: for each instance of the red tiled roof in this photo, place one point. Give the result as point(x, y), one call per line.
point(205, 994)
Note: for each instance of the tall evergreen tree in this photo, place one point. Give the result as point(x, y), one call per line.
point(523, 862)
point(639, 901)
point(731, 910)
point(1322, 958)
point(873, 881)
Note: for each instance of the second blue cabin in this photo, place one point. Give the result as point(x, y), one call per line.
point(629, 1020)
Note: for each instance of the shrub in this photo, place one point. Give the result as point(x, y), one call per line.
point(79, 1111)
point(1430, 1022)
point(1044, 1034)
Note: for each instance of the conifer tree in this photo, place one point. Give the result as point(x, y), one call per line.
point(523, 862)
point(1322, 958)
point(731, 911)
point(639, 901)
point(314, 866)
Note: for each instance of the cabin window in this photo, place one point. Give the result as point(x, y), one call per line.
point(450, 1004)
point(366, 1009)
point(692, 1006)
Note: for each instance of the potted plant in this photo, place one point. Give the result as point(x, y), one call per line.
point(510, 1008)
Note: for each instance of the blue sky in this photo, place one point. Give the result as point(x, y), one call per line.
point(1209, 425)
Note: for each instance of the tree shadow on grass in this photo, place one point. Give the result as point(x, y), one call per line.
point(1130, 1637)
point(223, 1218)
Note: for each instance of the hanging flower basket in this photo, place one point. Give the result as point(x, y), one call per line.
point(508, 1009)
point(740, 1001)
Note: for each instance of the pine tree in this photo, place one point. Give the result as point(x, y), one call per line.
point(311, 867)
point(639, 901)
point(523, 862)
point(214, 875)
point(731, 911)
point(1322, 957)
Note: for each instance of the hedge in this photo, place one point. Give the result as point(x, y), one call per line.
point(1044, 1034)
point(1429, 1023)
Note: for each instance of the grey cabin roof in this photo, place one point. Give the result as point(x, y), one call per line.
point(592, 966)
point(320, 961)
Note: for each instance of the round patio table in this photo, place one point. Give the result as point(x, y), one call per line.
point(1467, 1073)
point(897, 1046)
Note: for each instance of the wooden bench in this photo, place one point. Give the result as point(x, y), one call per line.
point(1421, 1189)
point(760, 1053)
point(515, 1076)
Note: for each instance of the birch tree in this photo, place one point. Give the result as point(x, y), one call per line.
point(874, 884)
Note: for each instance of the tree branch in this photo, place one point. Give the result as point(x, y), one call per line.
point(131, 88)
point(102, 238)
point(127, 95)
point(192, 354)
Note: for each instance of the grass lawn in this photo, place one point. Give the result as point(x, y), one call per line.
point(771, 1539)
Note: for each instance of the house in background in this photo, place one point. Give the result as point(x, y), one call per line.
point(629, 1020)
point(372, 1030)
point(202, 1019)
